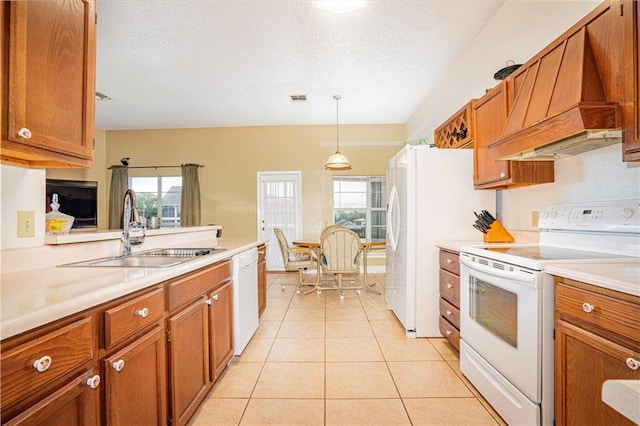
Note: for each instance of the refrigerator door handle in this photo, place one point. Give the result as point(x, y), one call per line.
point(393, 218)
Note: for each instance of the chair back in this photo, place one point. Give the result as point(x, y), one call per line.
point(284, 245)
point(340, 250)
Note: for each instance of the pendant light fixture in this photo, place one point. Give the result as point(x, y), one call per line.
point(337, 161)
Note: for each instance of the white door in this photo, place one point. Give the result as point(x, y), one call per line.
point(279, 206)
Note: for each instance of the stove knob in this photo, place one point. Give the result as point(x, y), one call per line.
point(627, 213)
point(554, 214)
point(545, 214)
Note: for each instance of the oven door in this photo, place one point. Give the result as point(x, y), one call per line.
point(500, 319)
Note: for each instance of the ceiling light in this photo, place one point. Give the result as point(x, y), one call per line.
point(340, 6)
point(337, 161)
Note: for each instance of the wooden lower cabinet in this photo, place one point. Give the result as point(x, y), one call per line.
point(135, 382)
point(449, 321)
point(262, 278)
point(596, 333)
point(221, 329)
point(189, 378)
point(75, 404)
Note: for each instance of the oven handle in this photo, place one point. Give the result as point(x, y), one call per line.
point(518, 274)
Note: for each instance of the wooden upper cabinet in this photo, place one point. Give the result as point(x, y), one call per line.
point(631, 80)
point(457, 131)
point(48, 79)
point(489, 117)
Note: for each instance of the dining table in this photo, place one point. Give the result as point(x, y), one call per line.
point(366, 245)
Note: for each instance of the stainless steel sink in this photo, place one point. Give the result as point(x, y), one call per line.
point(158, 258)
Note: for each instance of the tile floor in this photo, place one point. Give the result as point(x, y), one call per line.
point(317, 360)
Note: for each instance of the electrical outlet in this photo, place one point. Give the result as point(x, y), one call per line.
point(26, 220)
point(535, 215)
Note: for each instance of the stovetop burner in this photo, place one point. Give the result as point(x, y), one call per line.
point(541, 252)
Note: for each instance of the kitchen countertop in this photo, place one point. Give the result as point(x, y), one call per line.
point(36, 297)
point(618, 276)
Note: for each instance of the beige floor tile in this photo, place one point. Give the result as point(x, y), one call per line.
point(348, 349)
point(267, 328)
point(378, 313)
point(455, 366)
point(274, 312)
point(445, 349)
point(219, 411)
point(359, 380)
point(345, 313)
point(350, 298)
point(387, 328)
point(305, 314)
point(297, 350)
point(302, 329)
point(275, 291)
point(348, 329)
point(257, 350)
point(238, 380)
point(448, 411)
point(352, 412)
point(373, 300)
point(427, 379)
point(284, 412)
point(403, 349)
point(291, 380)
point(310, 300)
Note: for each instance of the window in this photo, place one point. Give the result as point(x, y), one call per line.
point(359, 203)
point(158, 194)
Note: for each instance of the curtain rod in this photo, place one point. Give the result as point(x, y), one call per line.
point(155, 167)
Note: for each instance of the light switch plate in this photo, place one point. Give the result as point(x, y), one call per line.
point(26, 220)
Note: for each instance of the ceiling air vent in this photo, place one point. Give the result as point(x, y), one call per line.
point(298, 98)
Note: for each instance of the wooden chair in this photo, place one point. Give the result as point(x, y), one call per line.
point(295, 258)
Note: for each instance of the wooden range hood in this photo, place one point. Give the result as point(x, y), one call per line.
point(560, 106)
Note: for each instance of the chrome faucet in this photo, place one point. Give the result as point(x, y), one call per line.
point(130, 218)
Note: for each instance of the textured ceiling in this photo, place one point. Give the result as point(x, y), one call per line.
point(178, 64)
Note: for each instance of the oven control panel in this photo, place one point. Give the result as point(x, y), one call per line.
point(612, 216)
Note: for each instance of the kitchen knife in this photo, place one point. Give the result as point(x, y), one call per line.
point(479, 228)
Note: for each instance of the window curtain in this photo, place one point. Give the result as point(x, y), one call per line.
point(190, 198)
point(119, 185)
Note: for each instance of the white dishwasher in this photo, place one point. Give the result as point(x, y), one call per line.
point(245, 297)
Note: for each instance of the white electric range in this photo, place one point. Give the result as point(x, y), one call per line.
point(506, 302)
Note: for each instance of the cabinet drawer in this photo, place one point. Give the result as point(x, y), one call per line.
point(450, 312)
point(127, 318)
point(450, 287)
point(187, 288)
point(617, 316)
point(57, 354)
point(450, 261)
point(450, 333)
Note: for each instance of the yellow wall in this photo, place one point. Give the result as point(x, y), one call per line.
point(97, 173)
point(233, 155)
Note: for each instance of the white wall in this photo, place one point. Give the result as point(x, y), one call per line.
point(22, 189)
point(593, 176)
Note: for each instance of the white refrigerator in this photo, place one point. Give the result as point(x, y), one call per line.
point(430, 198)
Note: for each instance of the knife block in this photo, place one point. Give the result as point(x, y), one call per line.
point(498, 234)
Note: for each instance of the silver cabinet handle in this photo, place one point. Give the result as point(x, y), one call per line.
point(209, 302)
point(41, 365)
point(449, 261)
point(503, 175)
point(448, 332)
point(449, 312)
point(142, 313)
point(24, 133)
point(118, 365)
point(588, 307)
point(215, 297)
point(93, 382)
point(449, 285)
point(633, 364)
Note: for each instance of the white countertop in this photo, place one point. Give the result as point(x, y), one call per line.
point(624, 397)
point(35, 297)
point(619, 276)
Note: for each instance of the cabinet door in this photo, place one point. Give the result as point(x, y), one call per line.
point(631, 80)
point(135, 382)
point(51, 81)
point(189, 378)
point(490, 116)
point(583, 362)
point(76, 404)
point(221, 325)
